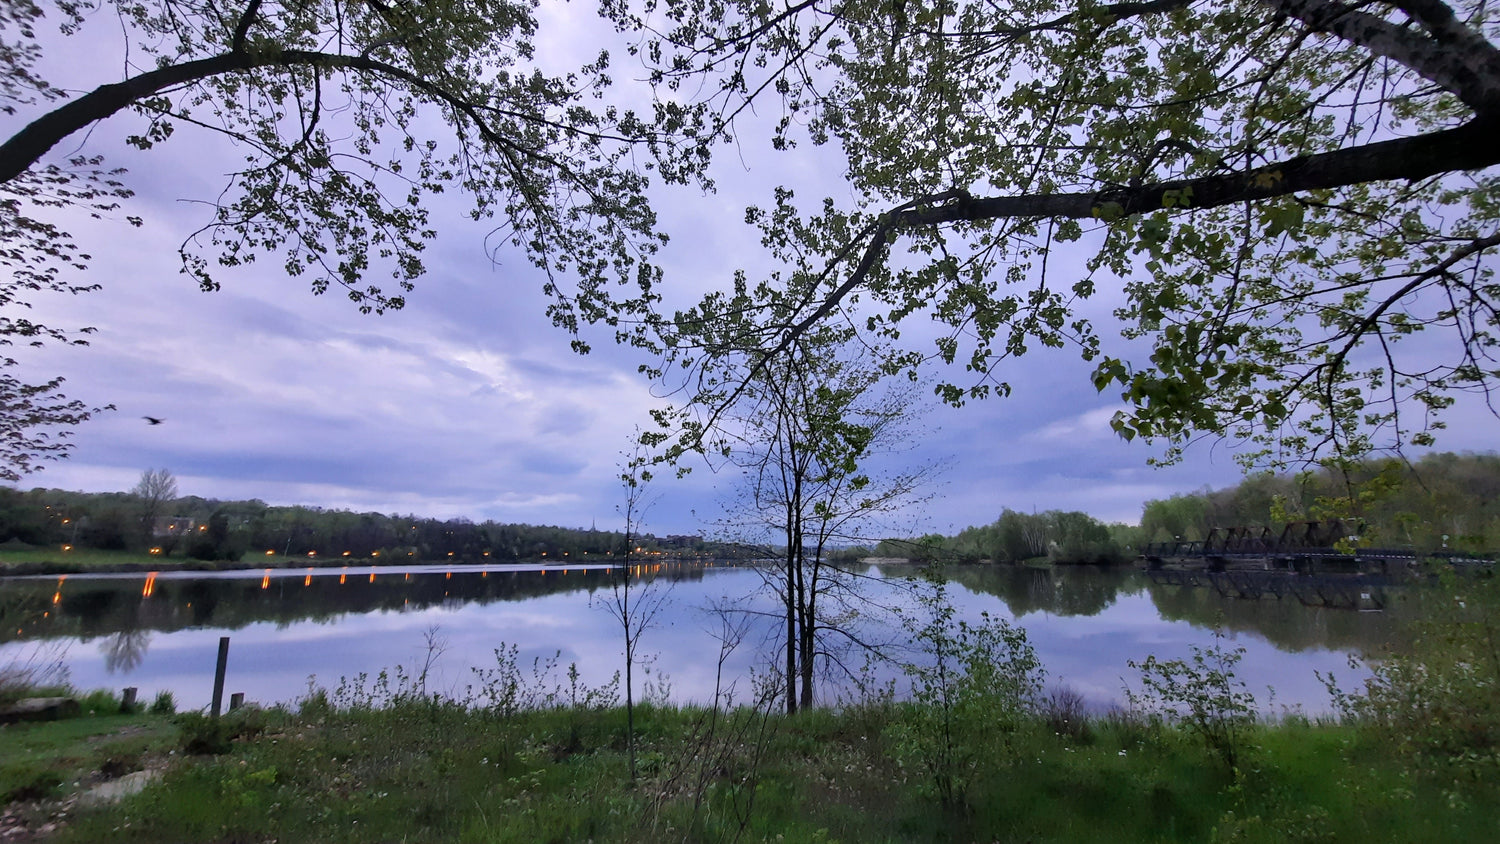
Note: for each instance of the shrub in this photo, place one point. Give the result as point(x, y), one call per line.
point(1437, 703)
point(204, 736)
point(28, 782)
point(1203, 695)
point(974, 689)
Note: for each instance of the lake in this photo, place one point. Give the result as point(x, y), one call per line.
point(289, 627)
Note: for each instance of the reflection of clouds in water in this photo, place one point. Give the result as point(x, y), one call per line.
point(362, 628)
point(123, 652)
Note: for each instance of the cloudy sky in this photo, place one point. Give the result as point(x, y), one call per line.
point(468, 402)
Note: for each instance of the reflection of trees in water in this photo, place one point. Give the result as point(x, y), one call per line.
point(124, 651)
point(1058, 590)
point(91, 607)
point(1285, 622)
point(1291, 625)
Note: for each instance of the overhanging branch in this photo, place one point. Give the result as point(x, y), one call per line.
point(1467, 147)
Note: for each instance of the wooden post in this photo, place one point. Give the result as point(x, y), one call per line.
point(236, 700)
point(219, 674)
point(127, 699)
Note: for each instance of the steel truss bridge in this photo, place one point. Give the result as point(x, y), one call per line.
point(1317, 563)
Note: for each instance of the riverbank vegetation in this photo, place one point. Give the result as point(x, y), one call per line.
point(430, 771)
point(48, 531)
point(970, 744)
point(1442, 502)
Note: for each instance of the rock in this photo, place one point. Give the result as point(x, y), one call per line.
point(108, 792)
point(39, 709)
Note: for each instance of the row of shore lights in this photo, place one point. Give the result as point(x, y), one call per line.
point(271, 552)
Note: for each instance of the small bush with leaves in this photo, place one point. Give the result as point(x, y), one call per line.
point(164, 704)
point(974, 688)
point(1203, 695)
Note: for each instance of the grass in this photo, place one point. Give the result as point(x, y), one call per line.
point(53, 560)
point(54, 759)
point(50, 559)
point(431, 771)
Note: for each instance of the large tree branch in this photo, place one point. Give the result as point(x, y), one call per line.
point(26, 147)
point(1108, 14)
point(1455, 57)
point(242, 29)
point(1467, 147)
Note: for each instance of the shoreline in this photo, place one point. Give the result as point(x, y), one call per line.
point(63, 567)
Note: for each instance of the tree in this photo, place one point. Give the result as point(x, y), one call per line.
point(1178, 517)
point(634, 618)
point(1286, 195)
point(351, 115)
point(804, 434)
point(156, 489)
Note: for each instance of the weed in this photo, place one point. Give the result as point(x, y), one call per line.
point(164, 703)
point(100, 702)
point(36, 669)
point(506, 690)
point(1063, 712)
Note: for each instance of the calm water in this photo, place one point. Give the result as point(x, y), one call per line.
point(162, 631)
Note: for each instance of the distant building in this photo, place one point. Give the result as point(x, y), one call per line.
point(172, 526)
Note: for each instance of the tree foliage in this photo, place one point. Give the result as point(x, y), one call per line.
point(1294, 202)
point(111, 520)
point(1290, 203)
point(1058, 536)
point(1443, 501)
point(351, 115)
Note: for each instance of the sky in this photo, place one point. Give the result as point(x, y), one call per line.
point(468, 403)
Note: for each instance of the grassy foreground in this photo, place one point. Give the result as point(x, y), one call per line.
point(420, 770)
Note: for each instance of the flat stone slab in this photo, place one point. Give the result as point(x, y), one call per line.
point(109, 792)
point(39, 709)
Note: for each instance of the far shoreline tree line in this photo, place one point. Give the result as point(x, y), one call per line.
point(1443, 501)
point(152, 519)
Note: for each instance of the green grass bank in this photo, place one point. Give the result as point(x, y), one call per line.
point(419, 769)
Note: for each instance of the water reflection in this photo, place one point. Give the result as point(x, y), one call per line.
point(162, 628)
point(1291, 621)
point(124, 651)
point(88, 607)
